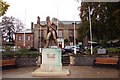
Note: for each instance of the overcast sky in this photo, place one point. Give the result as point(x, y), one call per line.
point(28, 10)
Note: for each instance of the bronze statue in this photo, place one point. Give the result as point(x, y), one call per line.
point(51, 31)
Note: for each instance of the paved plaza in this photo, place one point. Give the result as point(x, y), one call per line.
point(75, 72)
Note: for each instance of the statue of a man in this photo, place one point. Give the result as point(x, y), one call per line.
point(51, 31)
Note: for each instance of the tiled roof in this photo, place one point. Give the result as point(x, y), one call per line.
point(70, 22)
point(26, 31)
point(64, 22)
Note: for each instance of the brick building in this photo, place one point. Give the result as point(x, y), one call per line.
point(24, 38)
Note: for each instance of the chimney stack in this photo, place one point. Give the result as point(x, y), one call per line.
point(32, 25)
point(38, 20)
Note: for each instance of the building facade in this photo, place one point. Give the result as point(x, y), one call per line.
point(65, 33)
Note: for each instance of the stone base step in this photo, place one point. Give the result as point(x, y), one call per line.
point(39, 72)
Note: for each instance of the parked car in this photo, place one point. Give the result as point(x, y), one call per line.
point(1, 49)
point(78, 48)
point(68, 49)
point(98, 47)
point(82, 49)
point(63, 51)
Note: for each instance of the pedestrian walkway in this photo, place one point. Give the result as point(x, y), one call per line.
point(75, 72)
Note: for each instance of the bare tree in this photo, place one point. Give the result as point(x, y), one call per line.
point(9, 26)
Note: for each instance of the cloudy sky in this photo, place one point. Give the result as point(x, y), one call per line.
point(28, 10)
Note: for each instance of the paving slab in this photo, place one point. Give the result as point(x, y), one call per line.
point(75, 72)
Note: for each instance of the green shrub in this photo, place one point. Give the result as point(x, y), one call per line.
point(115, 51)
point(22, 52)
point(8, 51)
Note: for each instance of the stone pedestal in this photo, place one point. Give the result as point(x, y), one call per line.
point(51, 64)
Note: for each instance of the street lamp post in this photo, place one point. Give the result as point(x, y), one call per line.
point(90, 31)
point(24, 30)
point(57, 18)
point(40, 39)
point(74, 39)
point(74, 34)
point(24, 39)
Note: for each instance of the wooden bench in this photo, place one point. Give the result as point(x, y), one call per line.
point(9, 62)
point(112, 61)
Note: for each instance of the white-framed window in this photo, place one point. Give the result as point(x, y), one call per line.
point(71, 32)
point(19, 38)
point(71, 35)
point(29, 38)
point(60, 33)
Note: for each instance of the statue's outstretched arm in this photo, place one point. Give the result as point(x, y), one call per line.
point(54, 24)
point(43, 25)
